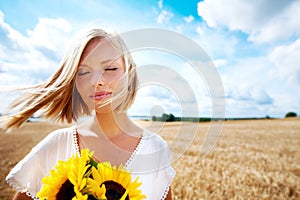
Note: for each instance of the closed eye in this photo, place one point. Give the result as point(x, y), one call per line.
point(111, 69)
point(82, 73)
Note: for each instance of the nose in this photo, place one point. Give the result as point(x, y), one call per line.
point(97, 79)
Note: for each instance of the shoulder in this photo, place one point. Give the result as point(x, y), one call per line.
point(152, 164)
point(62, 132)
point(154, 139)
point(54, 140)
point(57, 145)
point(59, 134)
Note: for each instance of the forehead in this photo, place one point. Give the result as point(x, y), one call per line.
point(100, 49)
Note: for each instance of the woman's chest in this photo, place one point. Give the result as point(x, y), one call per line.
point(116, 151)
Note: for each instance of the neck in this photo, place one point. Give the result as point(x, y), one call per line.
point(112, 123)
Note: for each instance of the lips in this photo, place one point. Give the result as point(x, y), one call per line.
point(101, 95)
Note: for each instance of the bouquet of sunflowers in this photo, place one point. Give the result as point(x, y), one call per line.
point(82, 178)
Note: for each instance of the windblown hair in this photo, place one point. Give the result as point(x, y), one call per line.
point(57, 98)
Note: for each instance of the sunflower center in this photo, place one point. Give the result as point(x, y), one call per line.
point(66, 191)
point(114, 191)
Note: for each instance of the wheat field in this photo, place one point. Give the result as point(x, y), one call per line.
point(252, 159)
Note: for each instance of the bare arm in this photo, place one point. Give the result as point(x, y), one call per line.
point(169, 195)
point(21, 196)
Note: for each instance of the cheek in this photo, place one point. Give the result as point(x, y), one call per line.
point(119, 84)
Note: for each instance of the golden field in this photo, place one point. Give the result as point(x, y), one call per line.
point(252, 159)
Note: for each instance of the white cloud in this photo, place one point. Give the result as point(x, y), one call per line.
point(285, 59)
point(217, 44)
point(153, 96)
point(48, 34)
point(189, 19)
point(266, 81)
point(172, 84)
point(160, 4)
point(38, 52)
point(10, 38)
point(200, 30)
point(32, 58)
point(285, 101)
point(220, 62)
point(248, 88)
point(264, 21)
point(251, 90)
point(164, 17)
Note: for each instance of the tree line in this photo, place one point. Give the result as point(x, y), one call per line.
point(171, 118)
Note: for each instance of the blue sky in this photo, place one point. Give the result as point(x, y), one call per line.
point(255, 47)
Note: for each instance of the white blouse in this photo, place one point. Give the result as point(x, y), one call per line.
point(150, 161)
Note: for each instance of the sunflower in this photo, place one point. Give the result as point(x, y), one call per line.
point(117, 182)
point(68, 180)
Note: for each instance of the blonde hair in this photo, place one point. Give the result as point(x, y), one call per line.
point(57, 98)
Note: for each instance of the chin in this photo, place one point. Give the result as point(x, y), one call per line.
point(106, 109)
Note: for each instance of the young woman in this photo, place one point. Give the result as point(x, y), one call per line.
point(97, 80)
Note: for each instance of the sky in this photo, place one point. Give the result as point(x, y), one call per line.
point(254, 47)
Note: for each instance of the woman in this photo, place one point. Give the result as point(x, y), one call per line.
point(97, 78)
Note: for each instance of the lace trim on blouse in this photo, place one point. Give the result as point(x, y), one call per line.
point(166, 191)
point(19, 189)
point(137, 148)
point(76, 140)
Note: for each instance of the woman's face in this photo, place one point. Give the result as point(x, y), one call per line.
point(100, 75)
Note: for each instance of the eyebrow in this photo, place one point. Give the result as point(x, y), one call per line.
point(101, 63)
point(107, 61)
